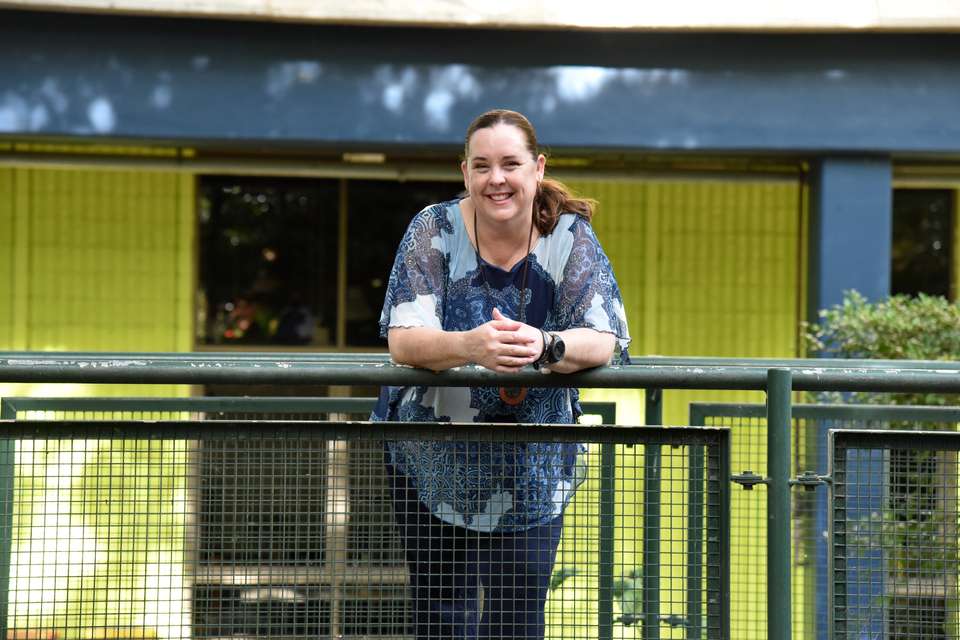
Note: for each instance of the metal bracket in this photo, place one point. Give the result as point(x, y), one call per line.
point(749, 479)
point(673, 619)
point(810, 480)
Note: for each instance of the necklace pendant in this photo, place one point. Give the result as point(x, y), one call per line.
point(513, 395)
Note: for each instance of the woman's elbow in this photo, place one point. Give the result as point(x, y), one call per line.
point(399, 352)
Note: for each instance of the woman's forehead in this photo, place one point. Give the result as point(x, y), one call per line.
point(497, 141)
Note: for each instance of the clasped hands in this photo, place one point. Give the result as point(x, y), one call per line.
point(504, 345)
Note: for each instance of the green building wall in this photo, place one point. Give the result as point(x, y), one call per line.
point(97, 261)
point(707, 268)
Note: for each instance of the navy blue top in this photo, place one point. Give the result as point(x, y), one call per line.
point(436, 282)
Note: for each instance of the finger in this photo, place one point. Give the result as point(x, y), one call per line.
point(515, 337)
point(505, 325)
point(499, 316)
point(514, 361)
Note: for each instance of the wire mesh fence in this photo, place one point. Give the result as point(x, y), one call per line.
point(810, 578)
point(895, 535)
point(215, 529)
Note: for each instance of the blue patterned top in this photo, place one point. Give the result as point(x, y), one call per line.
point(436, 282)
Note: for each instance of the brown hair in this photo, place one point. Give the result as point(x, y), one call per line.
point(553, 197)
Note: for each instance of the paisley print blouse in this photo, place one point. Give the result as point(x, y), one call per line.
point(436, 282)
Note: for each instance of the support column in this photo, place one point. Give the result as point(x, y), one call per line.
point(851, 227)
point(851, 223)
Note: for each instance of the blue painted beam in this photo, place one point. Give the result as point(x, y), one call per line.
point(287, 85)
point(851, 225)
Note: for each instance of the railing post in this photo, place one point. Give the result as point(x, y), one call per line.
point(8, 451)
point(779, 420)
point(608, 487)
point(651, 520)
point(608, 493)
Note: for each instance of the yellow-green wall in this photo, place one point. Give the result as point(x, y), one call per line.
point(96, 261)
point(706, 269)
point(7, 255)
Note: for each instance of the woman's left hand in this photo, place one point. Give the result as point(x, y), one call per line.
point(533, 336)
point(585, 348)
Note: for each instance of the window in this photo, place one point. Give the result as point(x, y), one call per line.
point(379, 214)
point(922, 250)
point(268, 261)
point(272, 262)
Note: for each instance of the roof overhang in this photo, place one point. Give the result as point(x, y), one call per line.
point(640, 15)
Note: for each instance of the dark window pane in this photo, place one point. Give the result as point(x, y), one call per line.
point(379, 214)
point(268, 261)
point(922, 251)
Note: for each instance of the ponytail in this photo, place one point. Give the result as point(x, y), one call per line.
point(554, 198)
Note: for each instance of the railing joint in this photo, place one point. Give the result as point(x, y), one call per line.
point(748, 479)
point(810, 480)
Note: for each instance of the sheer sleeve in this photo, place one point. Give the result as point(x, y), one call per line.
point(588, 294)
point(417, 285)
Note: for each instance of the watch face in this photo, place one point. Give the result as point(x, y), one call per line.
point(557, 349)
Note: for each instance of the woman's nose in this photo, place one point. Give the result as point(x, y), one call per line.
point(496, 175)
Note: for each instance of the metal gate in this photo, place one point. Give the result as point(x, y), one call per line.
point(894, 535)
point(282, 529)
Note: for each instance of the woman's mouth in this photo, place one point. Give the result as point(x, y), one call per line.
point(499, 197)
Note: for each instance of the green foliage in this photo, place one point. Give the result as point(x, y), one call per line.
point(629, 591)
point(899, 328)
point(914, 535)
point(561, 574)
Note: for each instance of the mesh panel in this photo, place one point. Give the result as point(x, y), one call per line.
point(291, 530)
point(809, 585)
point(895, 552)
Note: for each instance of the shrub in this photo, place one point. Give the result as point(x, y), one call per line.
point(898, 328)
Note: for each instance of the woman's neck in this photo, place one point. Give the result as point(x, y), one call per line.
point(500, 244)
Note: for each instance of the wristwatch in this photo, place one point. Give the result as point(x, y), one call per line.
point(553, 350)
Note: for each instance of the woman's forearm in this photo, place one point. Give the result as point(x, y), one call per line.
point(496, 346)
point(502, 345)
point(585, 348)
point(427, 348)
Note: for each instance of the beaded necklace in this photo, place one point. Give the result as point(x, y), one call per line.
point(509, 395)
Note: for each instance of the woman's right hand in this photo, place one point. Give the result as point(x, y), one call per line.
point(502, 344)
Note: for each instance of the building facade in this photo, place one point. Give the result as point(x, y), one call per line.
point(173, 181)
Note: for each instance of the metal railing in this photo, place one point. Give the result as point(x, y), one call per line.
point(810, 512)
point(258, 516)
point(894, 561)
point(777, 378)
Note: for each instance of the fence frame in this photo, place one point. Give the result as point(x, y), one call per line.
point(701, 411)
point(840, 441)
point(607, 435)
point(776, 377)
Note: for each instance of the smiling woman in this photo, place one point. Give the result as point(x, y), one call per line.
point(510, 276)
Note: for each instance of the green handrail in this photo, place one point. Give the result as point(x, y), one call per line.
point(777, 377)
point(359, 369)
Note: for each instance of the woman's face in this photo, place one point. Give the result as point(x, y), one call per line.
point(500, 174)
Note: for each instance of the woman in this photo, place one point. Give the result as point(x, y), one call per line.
point(509, 276)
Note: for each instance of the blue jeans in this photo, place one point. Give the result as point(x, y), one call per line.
point(467, 584)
